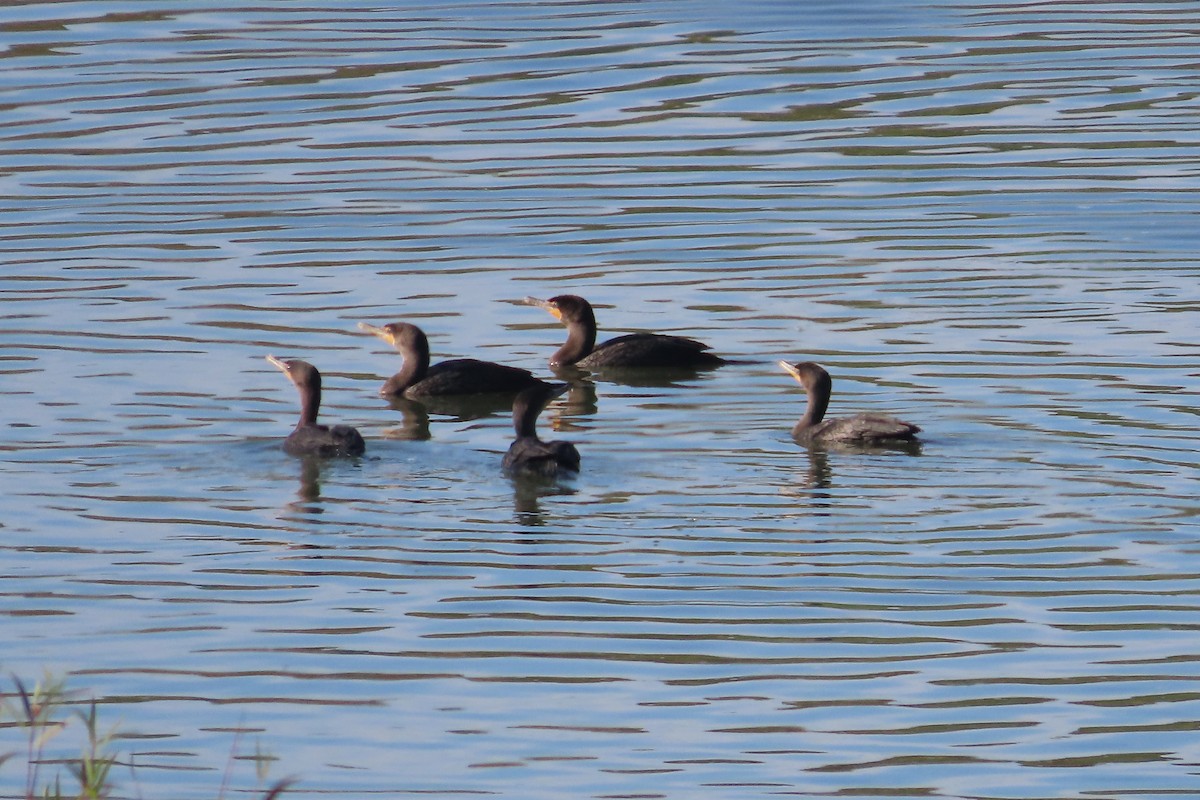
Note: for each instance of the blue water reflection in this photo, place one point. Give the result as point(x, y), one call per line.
point(975, 216)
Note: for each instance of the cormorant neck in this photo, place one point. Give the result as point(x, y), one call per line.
point(525, 416)
point(581, 338)
point(310, 404)
point(416, 365)
point(818, 402)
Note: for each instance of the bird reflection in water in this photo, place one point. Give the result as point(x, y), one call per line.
point(637, 377)
point(819, 476)
point(580, 400)
point(308, 494)
point(414, 421)
point(415, 415)
point(815, 485)
point(528, 491)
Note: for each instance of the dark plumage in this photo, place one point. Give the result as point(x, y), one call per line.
point(528, 454)
point(630, 350)
point(309, 438)
point(860, 429)
point(458, 376)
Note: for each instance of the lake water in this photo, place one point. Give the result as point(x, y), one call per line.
point(978, 216)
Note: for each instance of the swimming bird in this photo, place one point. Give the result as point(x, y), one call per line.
point(458, 376)
point(630, 350)
point(528, 454)
point(309, 438)
point(860, 429)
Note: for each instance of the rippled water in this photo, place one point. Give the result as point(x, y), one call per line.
point(978, 216)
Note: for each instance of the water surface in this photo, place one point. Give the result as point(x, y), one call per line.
point(977, 216)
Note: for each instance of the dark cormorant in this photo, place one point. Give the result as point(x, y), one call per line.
point(630, 350)
point(528, 454)
point(309, 438)
point(458, 376)
point(860, 429)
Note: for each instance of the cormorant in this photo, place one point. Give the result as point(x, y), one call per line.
point(630, 350)
point(860, 429)
point(309, 438)
point(528, 454)
point(458, 376)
